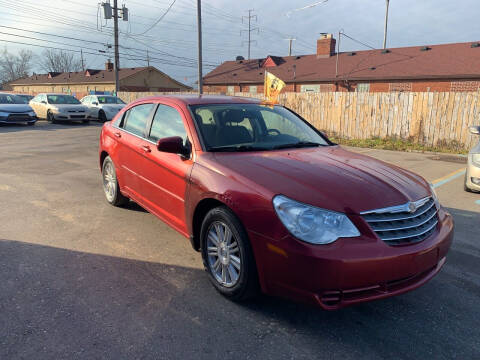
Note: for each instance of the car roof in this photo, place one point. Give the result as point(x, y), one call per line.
point(192, 99)
point(54, 94)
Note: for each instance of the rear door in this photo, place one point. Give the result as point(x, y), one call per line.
point(130, 136)
point(165, 176)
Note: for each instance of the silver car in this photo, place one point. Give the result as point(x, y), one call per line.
point(472, 176)
point(59, 107)
point(103, 107)
point(13, 110)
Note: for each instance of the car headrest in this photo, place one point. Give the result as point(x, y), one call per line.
point(232, 116)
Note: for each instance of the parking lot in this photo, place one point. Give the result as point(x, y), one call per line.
point(82, 279)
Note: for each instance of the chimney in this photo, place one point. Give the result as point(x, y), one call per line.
point(326, 46)
point(109, 65)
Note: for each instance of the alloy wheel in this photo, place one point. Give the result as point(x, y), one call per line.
point(109, 181)
point(223, 254)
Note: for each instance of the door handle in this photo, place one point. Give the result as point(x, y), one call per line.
point(146, 148)
point(117, 134)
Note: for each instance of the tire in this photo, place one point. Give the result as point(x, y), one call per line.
point(230, 258)
point(50, 117)
point(101, 116)
point(465, 187)
point(111, 188)
point(31, 123)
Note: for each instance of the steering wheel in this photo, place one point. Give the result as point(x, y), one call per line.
point(275, 131)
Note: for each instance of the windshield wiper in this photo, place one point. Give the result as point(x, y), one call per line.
point(299, 144)
point(235, 148)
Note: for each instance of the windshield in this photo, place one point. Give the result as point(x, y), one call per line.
point(109, 100)
point(62, 99)
point(25, 98)
point(10, 99)
point(244, 127)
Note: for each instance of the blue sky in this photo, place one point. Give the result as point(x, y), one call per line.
point(172, 43)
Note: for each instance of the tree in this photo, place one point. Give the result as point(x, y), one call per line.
point(59, 61)
point(13, 67)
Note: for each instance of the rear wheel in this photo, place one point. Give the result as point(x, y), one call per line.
point(227, 255)
point(110, 184)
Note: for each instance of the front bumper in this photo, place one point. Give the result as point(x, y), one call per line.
point(71, 117)
point(472, 172)
point(18, 119)
point(350, 271)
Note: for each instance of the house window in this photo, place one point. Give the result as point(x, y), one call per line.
point(252, 89)
point(310, 88)
point(399, 86)
point(230, 89)
point(363, 87)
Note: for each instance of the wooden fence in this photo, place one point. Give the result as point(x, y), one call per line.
point(434, 119)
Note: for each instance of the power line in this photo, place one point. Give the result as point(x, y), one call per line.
point(160, 19)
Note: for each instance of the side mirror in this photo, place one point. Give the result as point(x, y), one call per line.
point(475, 130)
point(94, 103)
point(173, 145)
point(43, 102)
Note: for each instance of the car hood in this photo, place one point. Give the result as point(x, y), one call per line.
point(328, 177)
point(15, 108)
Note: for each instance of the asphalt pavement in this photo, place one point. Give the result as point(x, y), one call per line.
point(80, 279)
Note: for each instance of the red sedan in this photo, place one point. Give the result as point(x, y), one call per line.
point(271, 203)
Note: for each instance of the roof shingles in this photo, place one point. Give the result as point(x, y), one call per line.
point(452, 61)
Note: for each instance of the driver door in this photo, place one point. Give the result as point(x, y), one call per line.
point(164, 176)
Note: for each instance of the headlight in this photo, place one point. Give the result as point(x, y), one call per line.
point(434, 196)
point(476, 159)
point(312, 224)
point(3, 114)
point(32, 114)
point(55, 109)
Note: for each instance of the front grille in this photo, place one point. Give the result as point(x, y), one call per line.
point(404, 224)
point(19, 117)
point(76, 111)
point(77, 116)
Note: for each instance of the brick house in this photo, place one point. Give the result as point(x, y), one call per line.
point(449, 67)
point(91, 80)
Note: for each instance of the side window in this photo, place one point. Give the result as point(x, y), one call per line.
point(167, 122)
point(136, 119)
point(86, 100)
point(43, 97)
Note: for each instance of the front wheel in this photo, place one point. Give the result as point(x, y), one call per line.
point(50, 117)
point(110, 184)
point(101, 116)
point(227, 255)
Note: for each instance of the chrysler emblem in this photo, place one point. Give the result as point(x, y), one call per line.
point(412, 207)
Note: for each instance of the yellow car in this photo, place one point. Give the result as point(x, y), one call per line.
point(472, 176)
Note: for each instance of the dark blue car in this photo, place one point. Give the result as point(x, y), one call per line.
point(13, 110)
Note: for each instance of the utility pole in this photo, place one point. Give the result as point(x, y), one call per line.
point(117, 57)
point(199, 33)
point(290, 39)
point(386, 23)
point(250, 29)
point(108, 13)
point(81, 57)
point(148, 59)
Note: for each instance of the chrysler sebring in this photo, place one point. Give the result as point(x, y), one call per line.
point(271, 203)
